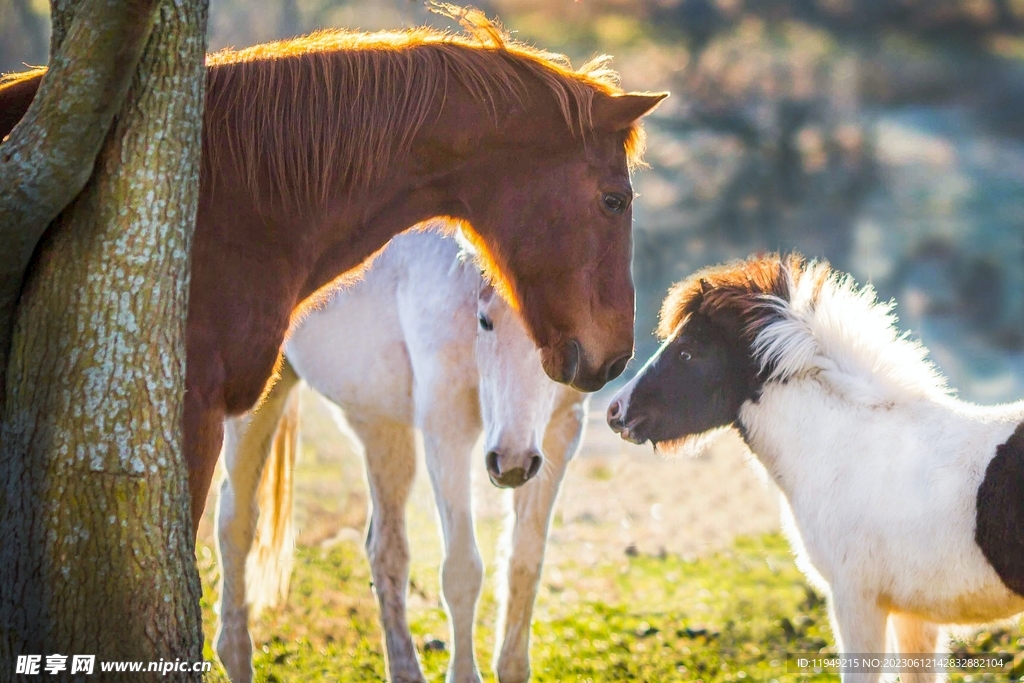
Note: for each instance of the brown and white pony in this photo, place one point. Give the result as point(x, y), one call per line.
point(320, 149)
point(904, 504)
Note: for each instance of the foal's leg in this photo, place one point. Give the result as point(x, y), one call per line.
point(859, 626)
point(246, 446)
point(916, 636)
point(448, 445)
point(390, 468)
point(534, 503)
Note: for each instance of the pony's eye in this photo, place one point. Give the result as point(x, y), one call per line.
point(685, 355)
point(615, 202)
point(485, 322)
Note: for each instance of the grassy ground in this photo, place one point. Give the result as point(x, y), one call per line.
point(728, 617)
point(656, 571)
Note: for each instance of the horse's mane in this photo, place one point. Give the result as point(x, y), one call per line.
point(805, 318)
point(382, 85)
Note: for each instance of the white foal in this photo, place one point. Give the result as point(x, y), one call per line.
point(905, 505)
point(419, 343)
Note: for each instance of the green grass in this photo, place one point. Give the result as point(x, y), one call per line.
point(729, 617)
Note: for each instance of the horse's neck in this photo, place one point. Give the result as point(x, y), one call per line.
point(351, 232)
point(428, 181)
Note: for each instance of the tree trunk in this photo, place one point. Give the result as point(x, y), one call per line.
point(96, 548)
point(49, 156)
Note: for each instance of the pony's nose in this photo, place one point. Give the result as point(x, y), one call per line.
point(514, 476)
point(614, 415)
point(615, 368)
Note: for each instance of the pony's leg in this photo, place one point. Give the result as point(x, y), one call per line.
point(533, 505)
point(246, 447)
point(859, 625)
point(448, 446)
point(916, 636)
point(391, 468)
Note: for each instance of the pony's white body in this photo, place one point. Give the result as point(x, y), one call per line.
point(879, 469)
point(884, 500)
point(399, 351)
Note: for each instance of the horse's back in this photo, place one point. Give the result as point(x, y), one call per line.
point(16, 94)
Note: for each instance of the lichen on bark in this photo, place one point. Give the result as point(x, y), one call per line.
point(96, 548)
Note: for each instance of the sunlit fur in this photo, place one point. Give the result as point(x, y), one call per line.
point(878, 463)
point(317, 151)
point(401, 349)
point(399, 77)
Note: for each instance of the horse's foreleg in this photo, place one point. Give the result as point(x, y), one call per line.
point(916, 636)
point(859, 626)
point(533, 505)
point(203, 438)
point(247, 445)
point(391, 468)
point(448, 452)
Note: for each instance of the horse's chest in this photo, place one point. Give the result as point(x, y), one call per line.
point(999, 517)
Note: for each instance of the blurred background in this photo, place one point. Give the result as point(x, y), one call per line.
point(883, 135)
point(886, 136)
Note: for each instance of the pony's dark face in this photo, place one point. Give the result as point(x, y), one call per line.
point(696, 382)
point(557, 229)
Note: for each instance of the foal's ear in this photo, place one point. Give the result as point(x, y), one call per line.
point(705, 286)
point(617, 112)
point(486, 292)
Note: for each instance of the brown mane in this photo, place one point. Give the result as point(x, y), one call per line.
point(738, 287)
point(390, 78)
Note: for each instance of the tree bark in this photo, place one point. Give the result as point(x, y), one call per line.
point(49, 156)
point(96, 548)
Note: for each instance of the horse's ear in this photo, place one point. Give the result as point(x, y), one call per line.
point(486, 292)
point(617, 112)
point(705, 286)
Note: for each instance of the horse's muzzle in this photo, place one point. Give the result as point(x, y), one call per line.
point(569, 367)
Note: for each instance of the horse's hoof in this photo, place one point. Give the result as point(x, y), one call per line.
point(234, 649)
point(472, 677)
point(235, 646)
point(513, 673)
point(408, 678)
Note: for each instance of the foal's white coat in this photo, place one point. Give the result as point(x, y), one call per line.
point(879, 467)
point(398, 351)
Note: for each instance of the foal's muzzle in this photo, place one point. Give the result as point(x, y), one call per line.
point(514, 476)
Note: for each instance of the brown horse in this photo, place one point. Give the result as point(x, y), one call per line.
point(318, 150)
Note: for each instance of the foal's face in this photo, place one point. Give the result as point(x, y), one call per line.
point(516, 397)
point(696, 382)
point(555, 222)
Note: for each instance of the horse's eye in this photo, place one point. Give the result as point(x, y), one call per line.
point(615, 202)
point(485, 322)
point(685, 355)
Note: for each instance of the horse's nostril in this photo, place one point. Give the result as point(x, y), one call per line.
point(535, 462)
point(616, 367)
point(571, 361)
point(493, 468)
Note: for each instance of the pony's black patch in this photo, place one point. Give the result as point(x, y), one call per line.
point(999, 529)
